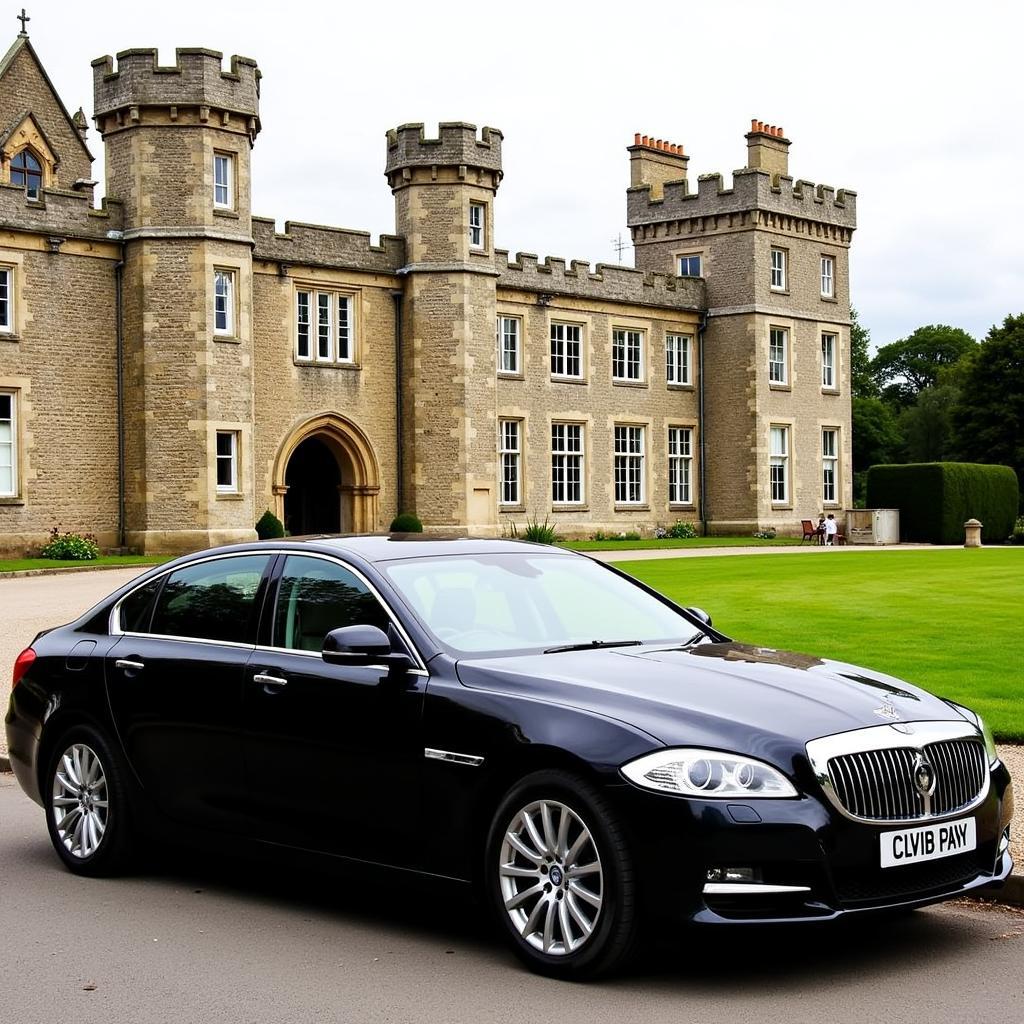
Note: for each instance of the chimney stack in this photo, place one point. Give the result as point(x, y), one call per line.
point(768, 149)
point(655, 161)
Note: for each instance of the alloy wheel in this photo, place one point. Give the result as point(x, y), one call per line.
point(79, 804)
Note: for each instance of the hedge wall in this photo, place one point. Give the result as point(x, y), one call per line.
point(935, 499)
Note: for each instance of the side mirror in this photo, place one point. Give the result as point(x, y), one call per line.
point(700, 615)
point(362, 645)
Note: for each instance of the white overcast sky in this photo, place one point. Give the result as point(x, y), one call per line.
point(916, 106)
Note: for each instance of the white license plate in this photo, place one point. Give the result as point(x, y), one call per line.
point(929, 842)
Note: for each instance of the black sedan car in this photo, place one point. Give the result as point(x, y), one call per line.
point(592, 756)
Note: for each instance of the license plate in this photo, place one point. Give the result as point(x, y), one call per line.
point(929, 842)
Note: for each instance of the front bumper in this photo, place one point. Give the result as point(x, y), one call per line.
point(809, 863)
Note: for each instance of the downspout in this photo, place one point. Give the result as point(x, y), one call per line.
point(397, 297)
point(119, 335)
point(700, 424)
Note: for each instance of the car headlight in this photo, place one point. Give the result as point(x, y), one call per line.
point(707, 773)
point(990, 743)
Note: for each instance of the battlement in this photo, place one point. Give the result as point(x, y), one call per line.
point(316, 245)
point(196, 79)
point(457, 145)
point(752, 189)
point(609, 283)
point(61, 214)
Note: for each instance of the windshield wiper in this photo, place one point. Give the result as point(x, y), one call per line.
point(593, 645)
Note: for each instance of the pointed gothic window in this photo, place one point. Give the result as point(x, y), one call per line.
point(28, 171)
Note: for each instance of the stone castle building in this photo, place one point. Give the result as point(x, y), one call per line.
point(171, 365)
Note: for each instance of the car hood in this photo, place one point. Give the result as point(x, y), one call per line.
point(756, 700)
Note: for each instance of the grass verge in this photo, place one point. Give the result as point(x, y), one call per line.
point(949, 621)
point(21, 564)
point(671, 542)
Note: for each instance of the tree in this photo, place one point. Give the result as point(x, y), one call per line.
point(904, 368)
point(862, 383)
point(927, 425)
point(876, 434)
point(988, 419)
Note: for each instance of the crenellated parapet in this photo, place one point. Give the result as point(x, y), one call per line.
point(316, 245)
point(61, 214)
point(457, 145)
point(575, 278)
point(752, 189)
point(196, 81)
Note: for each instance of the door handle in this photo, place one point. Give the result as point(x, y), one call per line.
point(272, 682)
point(128, 665)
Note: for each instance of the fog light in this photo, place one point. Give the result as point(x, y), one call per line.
point(733, 874)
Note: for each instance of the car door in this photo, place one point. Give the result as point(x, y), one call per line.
point(333, 753)
point(175, 683)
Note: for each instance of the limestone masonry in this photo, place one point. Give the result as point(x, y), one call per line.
point(171, 366)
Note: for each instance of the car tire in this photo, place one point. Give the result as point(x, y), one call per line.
point(559, 878)
point(86, 803)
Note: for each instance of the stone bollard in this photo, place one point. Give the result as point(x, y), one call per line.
point(972, 531)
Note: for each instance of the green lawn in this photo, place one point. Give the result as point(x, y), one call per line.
point(20, 564)
point(949, 621)
point(670, 542)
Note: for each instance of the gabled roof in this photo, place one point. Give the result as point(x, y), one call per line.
point(22, 43)
point(18, 122)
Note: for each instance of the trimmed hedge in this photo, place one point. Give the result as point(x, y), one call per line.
point(935, 499)
point(269, 527)
point(406, 522)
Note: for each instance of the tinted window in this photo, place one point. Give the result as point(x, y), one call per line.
point(316, 596)
point(212, 600)
point(137, 607)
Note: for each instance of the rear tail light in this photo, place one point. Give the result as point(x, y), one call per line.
point(22, 664)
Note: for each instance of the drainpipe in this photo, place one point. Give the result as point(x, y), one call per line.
point(399, 489)
point(119, 335)
point(700, 424)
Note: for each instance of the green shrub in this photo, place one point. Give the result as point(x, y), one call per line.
point(1017, 537)
point(269, 526)
point(406, 522)
point(536, 531)
point(766, 534)
point(682, 531)
point(71, 546)
point(935, 499)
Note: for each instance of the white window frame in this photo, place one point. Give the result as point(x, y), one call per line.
point(224, 301)
point(687, 256)
point(778, 369)
point(325, 326)
point(11, 444)
point(477, 226)
point(565, 457)
point(828, 277)
point(679, 359)
point(6, 300)
point(779, 473)
point(509, 332)
point(629, 463)
point(830, 466)
point(778, 267)
point(225, 183)
point(680, 465)
point(510, 460)
point(560, 346)
point(230, 458)
point(627, 355)
point(829, 348)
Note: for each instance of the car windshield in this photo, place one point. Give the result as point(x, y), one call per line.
point(505, 603)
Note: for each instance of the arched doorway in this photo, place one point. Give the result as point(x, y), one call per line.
point(326, 478)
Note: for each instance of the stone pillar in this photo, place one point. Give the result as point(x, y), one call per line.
point(972, 534)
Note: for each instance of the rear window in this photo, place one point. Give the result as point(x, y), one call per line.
point(137, 608)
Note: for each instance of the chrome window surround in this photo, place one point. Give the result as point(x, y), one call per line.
point(912, 735)
point(115, 612)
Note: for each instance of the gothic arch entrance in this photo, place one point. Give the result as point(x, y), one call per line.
point(326, 478)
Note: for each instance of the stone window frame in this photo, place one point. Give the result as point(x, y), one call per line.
point(688, 347)
point(231, 203)
point(564, 454)
point(230, 331)
point(517, 452)
point(629, 458)
point(835, 458)
point(782, 383)
point(779, 270)
point(499, 331)
point(232, 458)
point(641, 361)
point(832, 388)
point(335, 294)
point(45, 172)
point(14, 394)
point(697, 255)
point(829, 278)
point(581, 377)
point(785, 458)
point(477, 231)
point(680, 460)
point(8, 320)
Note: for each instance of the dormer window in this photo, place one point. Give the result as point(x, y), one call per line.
point(26, 170)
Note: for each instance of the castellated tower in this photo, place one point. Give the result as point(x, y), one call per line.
point(776, 348)
point(444, 192)
point(178, 142)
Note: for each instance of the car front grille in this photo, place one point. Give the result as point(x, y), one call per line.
point(878, 785)
point(864, 887)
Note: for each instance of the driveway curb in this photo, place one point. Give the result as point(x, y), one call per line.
point(57, 570)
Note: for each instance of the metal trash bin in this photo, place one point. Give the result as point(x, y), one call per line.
point(872, 526)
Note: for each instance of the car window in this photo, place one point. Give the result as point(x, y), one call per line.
point(137, 607)
point(211, 600)
point(316, 596)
